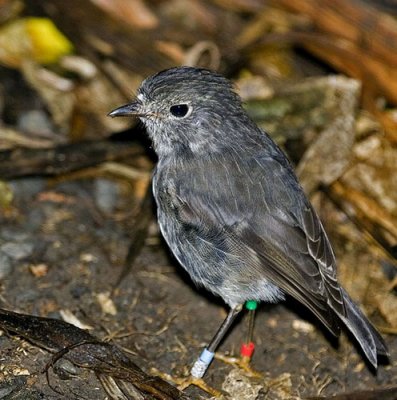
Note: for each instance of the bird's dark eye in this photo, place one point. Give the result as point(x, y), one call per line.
point(179, 110)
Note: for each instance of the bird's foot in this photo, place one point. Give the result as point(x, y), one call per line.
point(199, 382)
point(185, 382)
point(240, 362)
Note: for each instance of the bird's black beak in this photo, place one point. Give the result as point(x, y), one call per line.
point(126, 110)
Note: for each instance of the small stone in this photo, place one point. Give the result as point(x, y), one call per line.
point(35, 121)
point(17, 251)
point(302, 326)
point(240, 386)
point(106, 195)
point(5, 265)
point(65, 369)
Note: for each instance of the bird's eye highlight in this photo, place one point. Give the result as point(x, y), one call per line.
point(180, 110)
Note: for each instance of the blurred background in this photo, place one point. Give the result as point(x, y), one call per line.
point(78, 234)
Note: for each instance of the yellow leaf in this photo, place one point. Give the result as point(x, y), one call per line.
point(48, 42)
point(34, 39)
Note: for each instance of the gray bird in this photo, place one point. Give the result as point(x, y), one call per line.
point(231, 209)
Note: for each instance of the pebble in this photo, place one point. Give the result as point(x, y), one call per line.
point(35, 121)
point(106, 194)
point(5, 265)
point(17, 251)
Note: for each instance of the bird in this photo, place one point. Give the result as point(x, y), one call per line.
point(232, 210)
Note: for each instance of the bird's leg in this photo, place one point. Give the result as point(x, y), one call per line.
point(247, 348)
point(202, 363)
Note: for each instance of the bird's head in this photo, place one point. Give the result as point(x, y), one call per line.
point(186, 107)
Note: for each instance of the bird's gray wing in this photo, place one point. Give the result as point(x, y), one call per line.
point(255, 210)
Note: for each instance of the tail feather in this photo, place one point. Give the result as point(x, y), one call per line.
point(366, 334)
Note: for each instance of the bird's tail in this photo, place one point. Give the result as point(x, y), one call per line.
point(366, 334)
